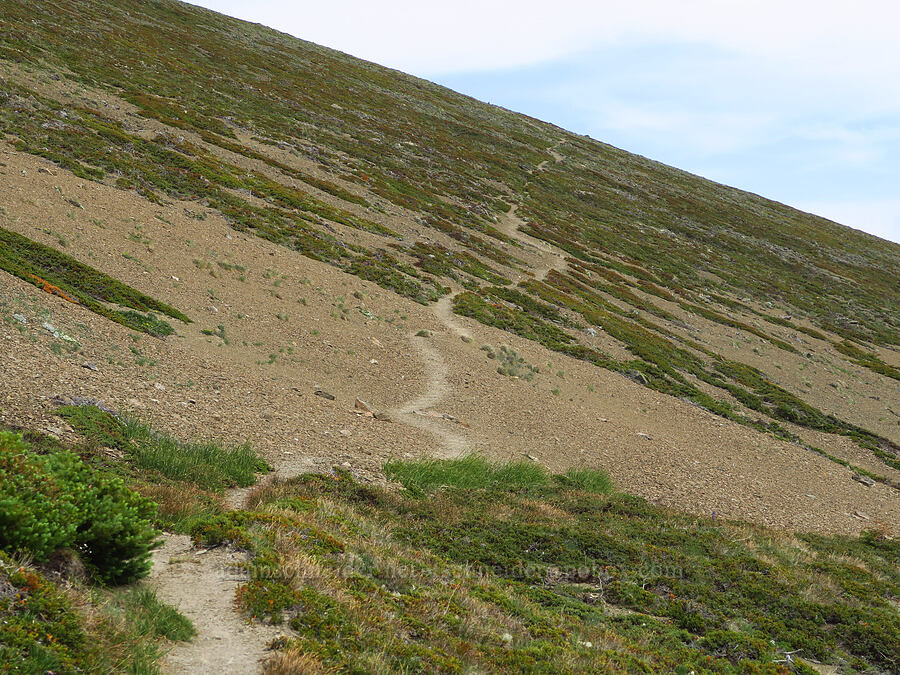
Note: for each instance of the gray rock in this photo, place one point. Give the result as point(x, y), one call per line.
point(90, 365)
point(21, 319)
point(324, 394)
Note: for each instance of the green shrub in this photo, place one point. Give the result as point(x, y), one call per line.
point(56, 501)
point(36, 514)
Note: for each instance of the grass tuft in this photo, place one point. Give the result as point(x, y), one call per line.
point(147, 616)
point(590, 480)
point(206, 464)
point(472, 472)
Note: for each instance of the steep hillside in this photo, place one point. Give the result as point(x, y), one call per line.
point(242, 235)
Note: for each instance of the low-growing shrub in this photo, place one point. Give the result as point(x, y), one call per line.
point(49, 627)
point(511, 364)
point(56, 501)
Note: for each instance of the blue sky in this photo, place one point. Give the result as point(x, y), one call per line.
point(797, 101)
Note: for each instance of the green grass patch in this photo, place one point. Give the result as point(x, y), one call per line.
point(147, 616)
point(468, 473)
point(867, 359)
point(208, 465)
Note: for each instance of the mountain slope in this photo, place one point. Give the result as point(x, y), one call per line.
point(212, 224)
point(408, 185)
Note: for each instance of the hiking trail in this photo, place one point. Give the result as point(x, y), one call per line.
point(418, 411)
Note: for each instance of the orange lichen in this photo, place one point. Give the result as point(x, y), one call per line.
point(53, 290)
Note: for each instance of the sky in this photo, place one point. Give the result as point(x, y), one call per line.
point(795, 100)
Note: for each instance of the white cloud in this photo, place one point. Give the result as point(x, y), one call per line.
point(835, 38)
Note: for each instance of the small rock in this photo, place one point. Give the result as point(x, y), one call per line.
point(55, 431)
point(48, 327)
point(47, 171)
point(532, 458)
point(21, 319)
point(373, 362)
point(506, 637)
point(346, 465)
point(324, 394)
point(362, 405)
point(90, 365)
point(647, 436)
point(859, 514)
point(345, 432)
point(159, 386)
point(865, 480)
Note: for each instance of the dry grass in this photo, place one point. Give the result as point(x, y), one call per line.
point(292, 661)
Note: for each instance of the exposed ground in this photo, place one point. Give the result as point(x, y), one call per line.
point(282, 345)
point(201, 584)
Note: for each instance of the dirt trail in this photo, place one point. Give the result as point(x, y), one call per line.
point(201, 583)
point(551, 258)
point(418, 412)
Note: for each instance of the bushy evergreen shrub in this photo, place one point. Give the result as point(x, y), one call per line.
point(56, 501)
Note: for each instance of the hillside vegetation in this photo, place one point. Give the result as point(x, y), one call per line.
point(387, 294)
point(638, 232)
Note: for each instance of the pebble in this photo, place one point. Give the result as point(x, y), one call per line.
point(362, 405)
point(21, 319)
